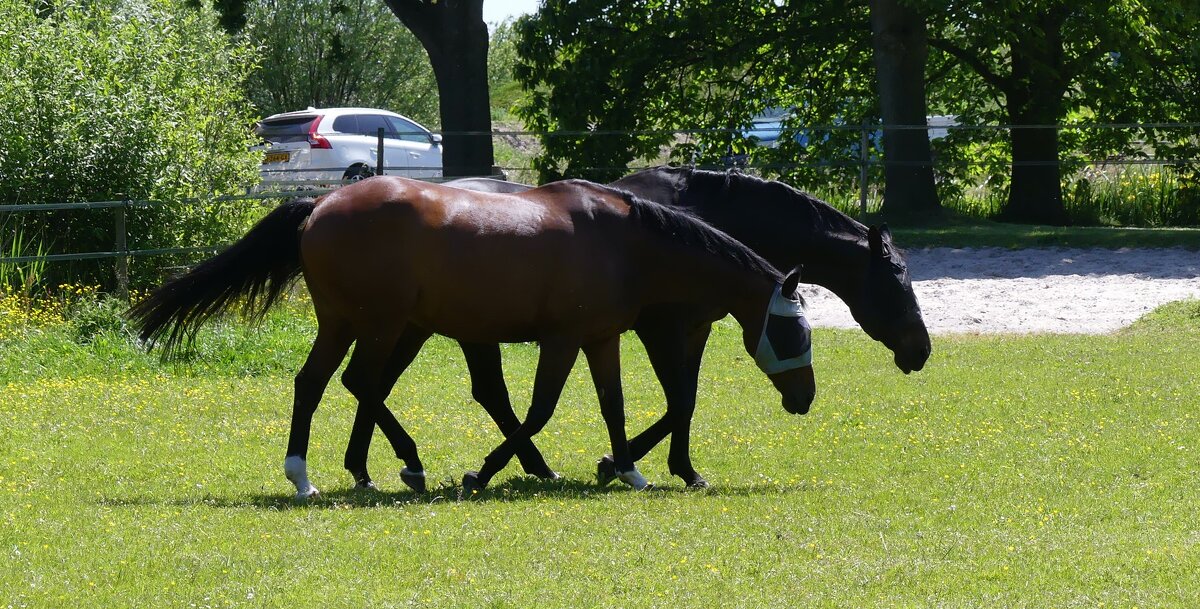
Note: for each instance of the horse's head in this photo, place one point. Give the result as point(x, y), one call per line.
point(888, 311)
point(783, 347)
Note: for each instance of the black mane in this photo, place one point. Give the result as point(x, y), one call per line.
point(689, 230)
point(825, 218)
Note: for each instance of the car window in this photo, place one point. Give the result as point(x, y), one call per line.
point(370, 124)
point(346, 123)
point(407, 130)
point(292, 128)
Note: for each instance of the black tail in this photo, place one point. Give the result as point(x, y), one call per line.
point(259, 266)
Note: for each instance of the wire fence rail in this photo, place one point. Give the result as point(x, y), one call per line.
point(864, 157)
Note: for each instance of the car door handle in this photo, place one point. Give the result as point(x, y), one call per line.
point(415, 155)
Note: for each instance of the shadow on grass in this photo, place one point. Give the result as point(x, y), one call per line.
point(512, 490)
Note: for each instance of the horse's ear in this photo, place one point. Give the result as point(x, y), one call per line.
point(875, 240)
point(790, 283)
point(885, 232)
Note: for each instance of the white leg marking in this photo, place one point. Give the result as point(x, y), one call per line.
point(634, 479)
point(404, 471)
point(296, 470)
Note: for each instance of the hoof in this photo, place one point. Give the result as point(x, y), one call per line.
point(471, 484)
point(635, 480)
point(297, 472)
point(606, 470)
point(304, 495)
point(542, 471)
point(548, 474)
point(698, 482)
point(363, 481)
point(414, 480)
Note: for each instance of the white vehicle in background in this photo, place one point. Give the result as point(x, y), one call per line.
point(328, 145)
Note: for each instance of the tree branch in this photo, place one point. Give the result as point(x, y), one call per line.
point(973, 61)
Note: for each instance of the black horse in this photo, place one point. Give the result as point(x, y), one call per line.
point(787, 227)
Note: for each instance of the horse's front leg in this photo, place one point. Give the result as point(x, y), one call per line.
point(555, 360)
point(488, 388)
point(604, 360)
point(324, 357)
point(365, 418)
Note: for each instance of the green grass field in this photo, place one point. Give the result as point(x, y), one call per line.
point(959, 231)
point(1032, 471)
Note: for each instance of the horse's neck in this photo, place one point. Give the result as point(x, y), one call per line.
point(683, 274)
point(836, 264)
point(833, 258)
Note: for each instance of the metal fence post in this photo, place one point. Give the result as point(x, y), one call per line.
point(379, 154)
point(122, 246)
point(862, 171)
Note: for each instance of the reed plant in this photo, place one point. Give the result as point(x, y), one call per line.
point(1118, 194)
point(19, 277)
point(1135, 195)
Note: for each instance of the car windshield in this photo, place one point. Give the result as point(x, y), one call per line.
point(286, 129)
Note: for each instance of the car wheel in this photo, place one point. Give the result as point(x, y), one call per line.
point(357, 172)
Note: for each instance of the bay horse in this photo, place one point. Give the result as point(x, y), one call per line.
point(569, 265)
point(788, 227)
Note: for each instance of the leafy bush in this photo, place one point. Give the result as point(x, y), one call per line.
point(94, 318)
point(120, 100)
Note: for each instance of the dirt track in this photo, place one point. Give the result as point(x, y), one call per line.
point(1057, 290)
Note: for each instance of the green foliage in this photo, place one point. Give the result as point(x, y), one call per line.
point(1136, 195)
point(22, 278)
point(92, 319)
point(597, 70)
point(326, 53)
point(617, 78)
point(1051, 62)
point(503, 88)
point(120, 101)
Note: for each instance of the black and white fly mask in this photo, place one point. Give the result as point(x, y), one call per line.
point(786, 340)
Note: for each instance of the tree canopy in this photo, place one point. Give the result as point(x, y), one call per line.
point(620, 77)
point(326, 53)
point(610, 82)
point(1036, 65)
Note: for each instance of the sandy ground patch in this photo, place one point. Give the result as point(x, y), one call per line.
point(1057, 290)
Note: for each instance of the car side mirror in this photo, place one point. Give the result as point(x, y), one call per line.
point(436, 138)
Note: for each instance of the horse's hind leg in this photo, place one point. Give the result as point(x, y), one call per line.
point(488, 388)
point(679, 460)
point(554, 365)
point(364, 378)
point(328, 350)
point(407, 347)
point(675, 353)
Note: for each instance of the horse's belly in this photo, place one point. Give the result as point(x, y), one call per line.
point(521, 313)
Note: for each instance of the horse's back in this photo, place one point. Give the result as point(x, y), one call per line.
point(450, 256)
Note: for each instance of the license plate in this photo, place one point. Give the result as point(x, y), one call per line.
point(276, 157)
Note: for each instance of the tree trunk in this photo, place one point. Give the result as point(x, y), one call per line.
point(900, 44)
point(456, 38)
point(1035, 196)
point(1035, 98)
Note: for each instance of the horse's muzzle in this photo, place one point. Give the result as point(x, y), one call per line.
point(798, 387)
point(799, 403)
point(912, 360)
